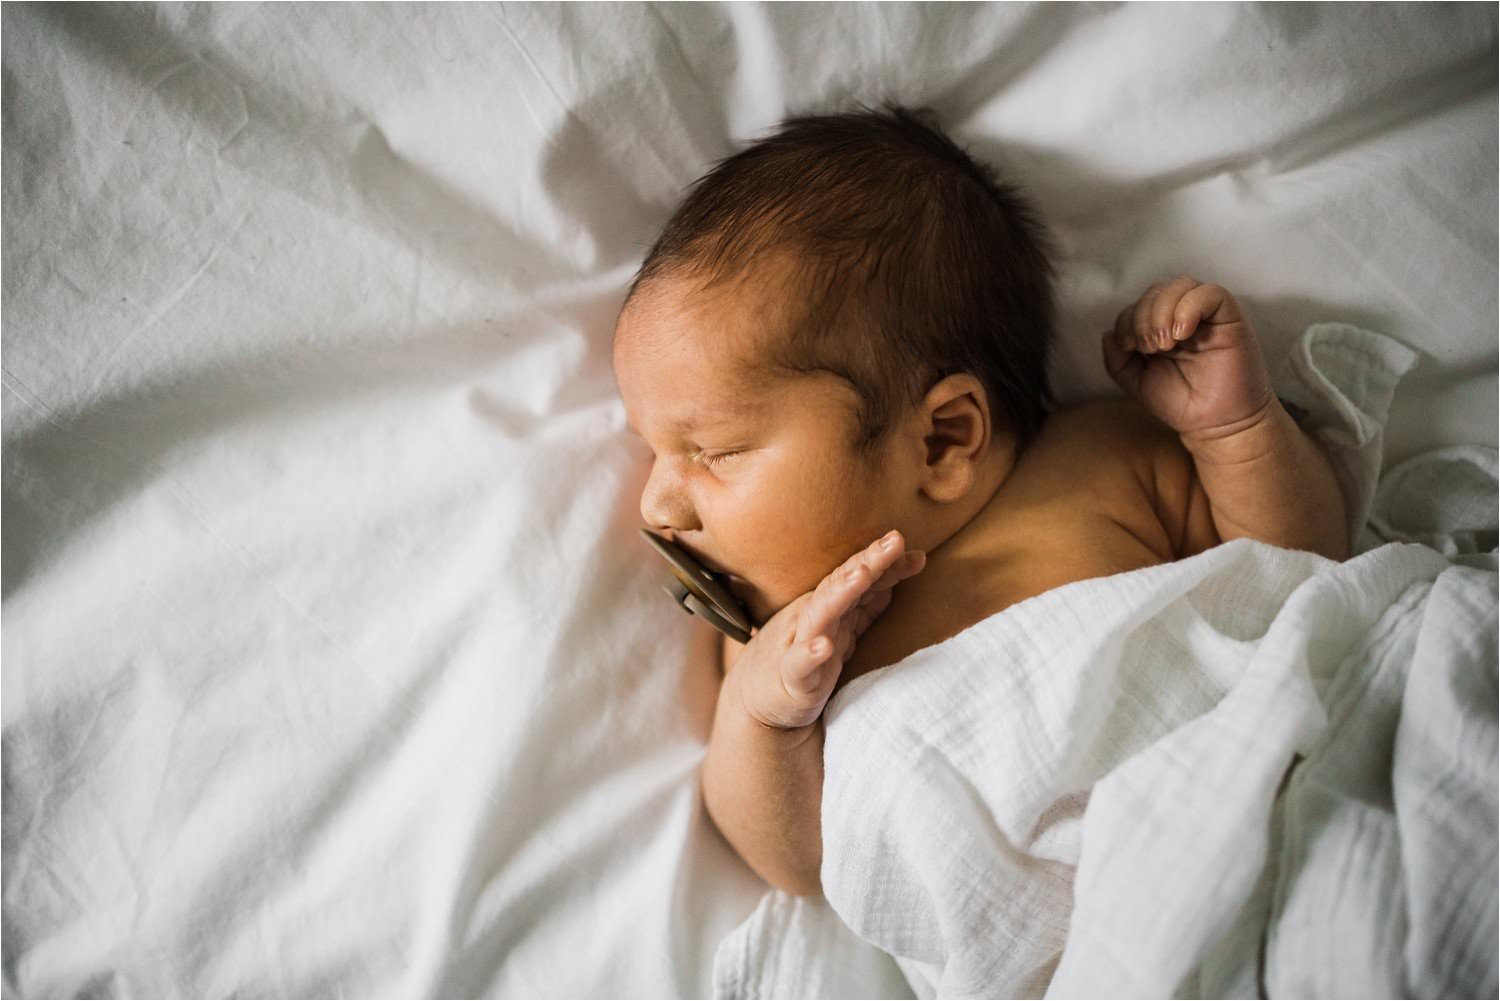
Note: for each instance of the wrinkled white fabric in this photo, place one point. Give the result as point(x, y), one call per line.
point(1443, 499)
point(332, 664)
point(1129, 787)
point(1343, 380)
point(797, 947)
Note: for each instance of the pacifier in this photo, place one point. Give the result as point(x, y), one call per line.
point(700, 591)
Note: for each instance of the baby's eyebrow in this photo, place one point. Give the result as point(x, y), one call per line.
point(681, 425)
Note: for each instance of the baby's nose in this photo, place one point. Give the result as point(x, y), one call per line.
point(664, 505)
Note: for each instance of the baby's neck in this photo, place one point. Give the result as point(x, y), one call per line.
point(936, 603)
point(946, 530)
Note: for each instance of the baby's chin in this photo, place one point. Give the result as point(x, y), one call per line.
point(764, 599)
point(761, 605)
point(752, 600)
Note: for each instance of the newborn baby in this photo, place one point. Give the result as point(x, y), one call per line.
point(837, 352)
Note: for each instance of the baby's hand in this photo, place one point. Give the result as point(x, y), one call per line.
point(1186, 354)
point(786, 673)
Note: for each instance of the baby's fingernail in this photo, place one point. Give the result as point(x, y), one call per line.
point(819, 647)
point(889, 541)
point(1178, 330)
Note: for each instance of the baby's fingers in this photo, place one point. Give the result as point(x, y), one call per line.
point(852, 626)
point(1142, 333)
point(1202, 304)
point(841, 590)
point(869, 609)
point(1161, 322)
point(1125, 321)
point(908, 564)
point(1125, 367)
point(1140, 327)
point(802, 676)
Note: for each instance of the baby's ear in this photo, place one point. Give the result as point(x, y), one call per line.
point(958, 433)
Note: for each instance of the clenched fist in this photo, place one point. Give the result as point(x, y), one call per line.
point(1185, 353)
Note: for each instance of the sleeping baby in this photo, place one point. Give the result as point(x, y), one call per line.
point(837, 351)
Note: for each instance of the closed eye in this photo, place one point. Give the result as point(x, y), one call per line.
point(715, 459)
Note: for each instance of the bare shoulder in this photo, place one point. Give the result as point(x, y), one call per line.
point(1108, 440)
point(1134, 465)
point(1114, 423)
point(1083, 501)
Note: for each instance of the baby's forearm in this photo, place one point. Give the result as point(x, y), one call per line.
point(1268, 481)
point(763, 787)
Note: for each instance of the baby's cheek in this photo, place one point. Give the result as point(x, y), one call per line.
point(797, 579)
point(774, 589)
point(789, 537)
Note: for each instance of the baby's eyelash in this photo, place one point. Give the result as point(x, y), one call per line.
point(714, 460)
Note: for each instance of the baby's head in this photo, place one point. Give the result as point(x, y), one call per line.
point(842, 330)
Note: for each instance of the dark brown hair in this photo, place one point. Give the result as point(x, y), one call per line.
point(913, 261)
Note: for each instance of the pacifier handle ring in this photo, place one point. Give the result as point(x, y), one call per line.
point(716, 620)
point(693, 605)
point(698, 591)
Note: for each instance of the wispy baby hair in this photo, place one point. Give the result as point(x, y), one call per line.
point(911, 260)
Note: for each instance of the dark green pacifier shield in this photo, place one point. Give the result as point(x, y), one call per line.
point(700, 591)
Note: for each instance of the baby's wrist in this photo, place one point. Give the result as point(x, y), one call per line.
point(738, 693)
point(1242, 441)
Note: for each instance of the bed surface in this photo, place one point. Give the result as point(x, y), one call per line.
point(332, 663)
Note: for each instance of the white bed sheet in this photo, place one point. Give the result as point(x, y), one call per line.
point(331, 662)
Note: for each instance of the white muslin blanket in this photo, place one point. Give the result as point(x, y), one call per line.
point(1083, 795)
point(1255, 772)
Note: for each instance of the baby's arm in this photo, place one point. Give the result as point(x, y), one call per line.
point(763, 775)
point(763, 787)
point(1186, 353)
point(1269, 481)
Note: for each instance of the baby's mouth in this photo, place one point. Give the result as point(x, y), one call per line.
point(735, 585)
point(738, 587)
point(699, 587)
point(750, 599)
point(708, 564)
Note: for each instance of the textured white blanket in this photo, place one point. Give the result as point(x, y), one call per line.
point(1251, 772)
point(1084, 795)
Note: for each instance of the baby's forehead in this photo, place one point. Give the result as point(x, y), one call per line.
point(685, 399)
point(723, 343)
point(740, 388)
point(710, 337)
